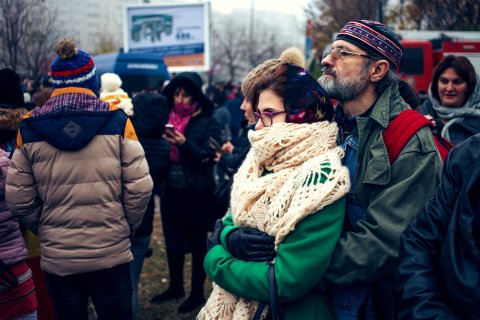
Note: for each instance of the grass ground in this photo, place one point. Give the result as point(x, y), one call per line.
point(154, 280)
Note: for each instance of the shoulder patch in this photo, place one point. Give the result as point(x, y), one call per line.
point(129, 131)
point(19, 139)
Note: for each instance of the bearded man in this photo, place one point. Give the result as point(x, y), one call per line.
point(359, 71)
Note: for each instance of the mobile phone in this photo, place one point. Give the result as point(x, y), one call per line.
point(214, 144)
point(169, 127)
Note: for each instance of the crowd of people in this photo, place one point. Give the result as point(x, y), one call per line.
point(283, 190)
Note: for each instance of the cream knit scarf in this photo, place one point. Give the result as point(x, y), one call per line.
point(296, 156)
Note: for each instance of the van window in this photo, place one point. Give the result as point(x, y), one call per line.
point(137, 70)
point(412, 61)
point(137, 82)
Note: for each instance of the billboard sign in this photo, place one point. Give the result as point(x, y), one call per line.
point(178, 32)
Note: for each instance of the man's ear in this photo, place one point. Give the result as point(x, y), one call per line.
point(378, 70)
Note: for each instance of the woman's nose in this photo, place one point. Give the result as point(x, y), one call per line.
point(450, 86)
point(259, 125)
point(178, 98)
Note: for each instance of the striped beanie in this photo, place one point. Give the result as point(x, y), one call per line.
point(374, 38)
point(72, 67)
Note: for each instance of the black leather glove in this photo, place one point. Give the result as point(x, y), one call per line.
point(214, 238)
point(250, 244)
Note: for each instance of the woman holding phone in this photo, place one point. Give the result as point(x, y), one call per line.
point(190, 181)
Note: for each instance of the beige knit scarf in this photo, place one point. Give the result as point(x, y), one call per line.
point(297, 157)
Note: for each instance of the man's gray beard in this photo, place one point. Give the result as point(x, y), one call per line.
point(345, 89)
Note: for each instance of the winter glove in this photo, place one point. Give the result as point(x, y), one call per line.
point(250, 244)
point(214, 238)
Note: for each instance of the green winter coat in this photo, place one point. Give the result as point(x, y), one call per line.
point(392, 195)
point(302, 259)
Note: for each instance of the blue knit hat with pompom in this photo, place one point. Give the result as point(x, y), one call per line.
point(72, 67)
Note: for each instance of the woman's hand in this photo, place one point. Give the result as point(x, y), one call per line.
point(250, 244)
point(227, 147)
point(214, 238)
point(175, 137)
point(218, 155)
point(430, 118)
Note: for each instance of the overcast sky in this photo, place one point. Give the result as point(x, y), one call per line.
point(288, 6)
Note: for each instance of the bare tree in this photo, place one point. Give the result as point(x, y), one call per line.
point(405, 16)
point(265, 43)
point(15, 19)
point(238, 49)
point(228, 48)
point(106, 43)
point(38, 43)
point(440, 14)
point(27, 36)
point(328, 17)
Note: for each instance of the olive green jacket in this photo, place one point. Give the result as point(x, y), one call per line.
point(392, 195)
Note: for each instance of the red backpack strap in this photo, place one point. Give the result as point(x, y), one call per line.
point(443, 146)
point(400, 130)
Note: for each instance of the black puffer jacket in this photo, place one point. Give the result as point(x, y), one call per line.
point(196, 155)
point(150, 116)
point(439, 272)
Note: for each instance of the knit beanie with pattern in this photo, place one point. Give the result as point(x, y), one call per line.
point(72, 67)
point(374, 38)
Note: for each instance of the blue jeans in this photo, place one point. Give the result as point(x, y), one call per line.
point(139, 250)
point(109, 289)
point(351, 303)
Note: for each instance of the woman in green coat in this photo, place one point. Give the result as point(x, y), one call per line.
point(287, 197)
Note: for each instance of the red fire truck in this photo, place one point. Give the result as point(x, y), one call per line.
point(423, 50)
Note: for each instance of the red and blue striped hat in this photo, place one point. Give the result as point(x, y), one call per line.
point(374, 38)
point(72, 67)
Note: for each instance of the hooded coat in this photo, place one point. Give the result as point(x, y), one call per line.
point(79, 179)
point(462, 122)
point(150, 117)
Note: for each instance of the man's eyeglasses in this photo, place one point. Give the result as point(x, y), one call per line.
point(338, 53)
point(266, 117)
